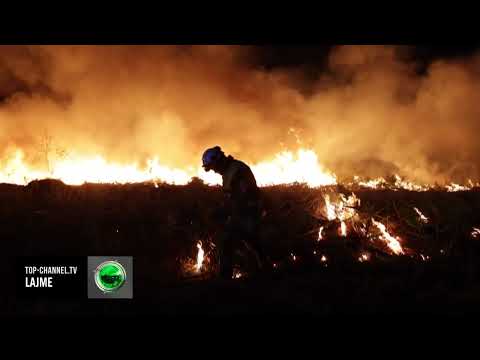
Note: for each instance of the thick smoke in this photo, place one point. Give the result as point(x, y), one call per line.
point(371, 112)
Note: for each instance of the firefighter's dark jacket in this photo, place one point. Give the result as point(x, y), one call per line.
point(242, 196)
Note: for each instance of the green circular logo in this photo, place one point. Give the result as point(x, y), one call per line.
point(110, 276)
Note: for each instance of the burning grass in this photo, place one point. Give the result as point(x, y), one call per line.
point(172, 229)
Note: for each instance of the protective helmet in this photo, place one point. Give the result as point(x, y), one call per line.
point(211, 156)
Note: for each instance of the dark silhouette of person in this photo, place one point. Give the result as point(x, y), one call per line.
point(241, 208)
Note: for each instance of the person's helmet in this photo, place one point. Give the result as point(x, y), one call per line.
point(211, 156)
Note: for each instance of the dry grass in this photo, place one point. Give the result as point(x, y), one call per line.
point(160, 226)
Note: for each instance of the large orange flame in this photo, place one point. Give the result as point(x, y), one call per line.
point(286, 167)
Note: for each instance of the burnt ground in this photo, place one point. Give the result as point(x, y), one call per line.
point(160, 226)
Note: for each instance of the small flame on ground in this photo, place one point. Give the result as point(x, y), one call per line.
point(425, 258)
point(476, 233)
point(381, 183)
point(320, 235)
point(406, 185)
point(456, 187)
point(421, 217)
point(372, 184)
point(237, 274)
point(343, 229)
point(323, 258)
point(330, 208)
point(391, 241)
point(200, 258)
point(363, 228)
point(341, 210)
point(364, 257)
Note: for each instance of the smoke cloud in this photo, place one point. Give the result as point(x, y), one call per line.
point(370, 112)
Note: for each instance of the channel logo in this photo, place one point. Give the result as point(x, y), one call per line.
point(110, 277)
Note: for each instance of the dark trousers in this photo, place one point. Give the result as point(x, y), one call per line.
point(241, 230)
